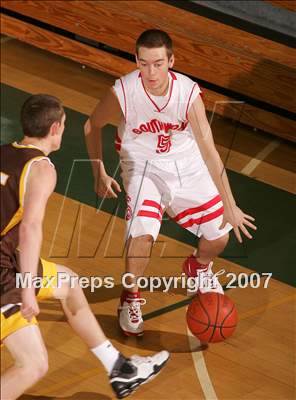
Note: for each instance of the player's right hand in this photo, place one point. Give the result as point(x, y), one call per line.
point(239, 221)
point(29, 307)
point(106, 187)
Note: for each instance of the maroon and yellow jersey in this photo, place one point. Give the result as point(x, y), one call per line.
point(16, 161)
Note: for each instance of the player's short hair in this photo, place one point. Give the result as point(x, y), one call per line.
point(39, 112)
point(153, 38)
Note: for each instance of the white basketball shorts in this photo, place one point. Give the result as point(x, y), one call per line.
point(183, 189)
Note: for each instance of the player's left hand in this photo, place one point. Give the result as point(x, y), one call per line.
point(29, 307)
point(239, 220)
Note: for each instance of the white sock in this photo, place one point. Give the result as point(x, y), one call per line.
point(107, 354)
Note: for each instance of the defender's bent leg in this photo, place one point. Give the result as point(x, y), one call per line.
point(125, 375)
point(77, 309)
point(31, 364)
point(82, 320)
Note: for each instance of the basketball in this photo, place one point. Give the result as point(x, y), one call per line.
point(212, 317)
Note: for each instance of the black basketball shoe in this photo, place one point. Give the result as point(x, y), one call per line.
point(129, 373)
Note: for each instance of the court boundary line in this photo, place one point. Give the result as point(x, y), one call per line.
point(201, 368)
point(198, 357)
point(259, 157)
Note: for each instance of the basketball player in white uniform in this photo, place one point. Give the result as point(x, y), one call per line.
point(169, 163)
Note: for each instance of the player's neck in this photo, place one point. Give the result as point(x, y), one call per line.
point(162, 90)
point(39, 143)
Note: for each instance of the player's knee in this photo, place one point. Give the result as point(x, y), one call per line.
point(140, 246)
point(223, 240)
point(41, 367)
point(143, 239)
point(213, 247)
point(220, 243)
point(36, 368)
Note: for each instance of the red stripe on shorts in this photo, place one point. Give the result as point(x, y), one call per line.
point(149, 214)
point(117, 138)
point(202, 220)
point(195, 210)
point(152, 203)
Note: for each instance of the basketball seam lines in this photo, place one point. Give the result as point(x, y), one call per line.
point(204, 323)
point(221, 326)
point(217, 312)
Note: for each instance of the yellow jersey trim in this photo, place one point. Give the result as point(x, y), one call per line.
point(25, 146)
point(22, 186)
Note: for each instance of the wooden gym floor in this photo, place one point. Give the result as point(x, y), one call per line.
point(256, 363)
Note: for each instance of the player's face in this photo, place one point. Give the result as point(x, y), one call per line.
point(154, 66)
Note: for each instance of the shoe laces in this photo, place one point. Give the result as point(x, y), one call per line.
point(208, 279)
point(134, 308)
point(138, 360)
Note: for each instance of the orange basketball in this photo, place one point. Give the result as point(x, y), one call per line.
point(212, 317)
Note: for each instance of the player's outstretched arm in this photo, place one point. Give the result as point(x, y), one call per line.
point(203, 135)
point(40, 185)
point(106, 112)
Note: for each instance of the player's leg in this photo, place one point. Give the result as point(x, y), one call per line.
point(207, 250)
point(22, 338)
point(129, 310)
point(211, 244)
point(144, 215)
point(125, 374)
point(200, 263)
point(30, 359)
point(77, 309)
point(137, 259)
point(201, 212)
point(65, 287)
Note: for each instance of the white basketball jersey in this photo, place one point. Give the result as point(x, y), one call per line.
point(155, 127)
